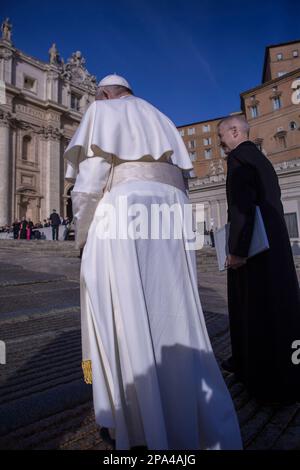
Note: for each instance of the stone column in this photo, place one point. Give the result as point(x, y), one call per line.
point(52, 86)
point(211, 215)
point(2, 69)
point(50, 171)
point(5, 195)
point(218, 221)
point(6, 56)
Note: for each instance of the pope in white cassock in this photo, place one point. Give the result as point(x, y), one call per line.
point(145, 346)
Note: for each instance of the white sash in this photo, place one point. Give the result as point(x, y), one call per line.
point(160, 172)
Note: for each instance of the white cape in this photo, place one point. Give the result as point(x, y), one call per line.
point(129, 128)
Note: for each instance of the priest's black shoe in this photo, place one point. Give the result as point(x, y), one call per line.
point(228, 365)
point(104, 433)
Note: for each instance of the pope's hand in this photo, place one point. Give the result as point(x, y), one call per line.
point(234, 262)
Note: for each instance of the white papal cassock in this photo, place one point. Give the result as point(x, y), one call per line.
point(155, 378)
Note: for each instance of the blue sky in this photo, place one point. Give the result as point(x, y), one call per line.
point(189, 58)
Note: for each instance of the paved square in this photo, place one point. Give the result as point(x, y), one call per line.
point(44, 403)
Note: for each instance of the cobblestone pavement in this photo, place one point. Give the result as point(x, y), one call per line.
point(44, 403)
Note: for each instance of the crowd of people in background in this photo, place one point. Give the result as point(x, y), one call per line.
point(25, 229)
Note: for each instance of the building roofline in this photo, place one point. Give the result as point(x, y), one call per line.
point(283, 44)
point(207, 120)
point(270, 82)
point(271, 46)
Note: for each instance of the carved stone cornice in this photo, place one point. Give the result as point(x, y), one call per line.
point(275, 94)
point(216, 168)
point(26, 126)
point(196, 183)
point(280, 133)
point(287, 165)
point(5, 53)
point(253, 102)
point(6, 118)
point(52, 75)
point(50, 132)
point(26, 191)
point(75, 72)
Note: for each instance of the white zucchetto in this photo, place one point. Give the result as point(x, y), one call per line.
point(114, 80)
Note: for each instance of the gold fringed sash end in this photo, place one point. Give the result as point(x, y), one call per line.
point(87, 371)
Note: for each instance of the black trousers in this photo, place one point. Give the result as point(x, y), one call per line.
point(55, 229)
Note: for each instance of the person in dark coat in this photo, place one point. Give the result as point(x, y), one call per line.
point(55, 222)
point(263, 291)
point(23, 229)
point(16, 229)
point(212, 237)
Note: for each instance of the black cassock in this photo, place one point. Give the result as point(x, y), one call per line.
point(263, 295)
point(23, 226)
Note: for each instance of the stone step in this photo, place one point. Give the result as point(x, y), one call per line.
point(43, 374)
point(50, 432)
point(47, 297)
point(30, 409)
point(65, 248)
point(15, 327)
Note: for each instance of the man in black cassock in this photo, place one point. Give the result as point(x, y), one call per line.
point(23, 227)
point(55, 223)
point(16, 228)
point(263, 291)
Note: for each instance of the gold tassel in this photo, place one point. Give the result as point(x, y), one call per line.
point(87, 371)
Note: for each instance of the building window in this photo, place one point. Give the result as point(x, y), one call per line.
point(26, 147)
point(207, 141)
point(223, 154)
point(282, 141)
point(181, 132)
point(206, 128)
point(75, 102)
point(191, 131)
point(292, 224)
point(258, 142)
point(30, 84)
point(207, 153)
point(191, 144)
point(192, 156)
point(254, 111)
point(293, 126)
point(276, 103)
point(295, 53)
point(279, 56)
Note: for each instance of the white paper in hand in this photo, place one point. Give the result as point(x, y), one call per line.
point(259, 241)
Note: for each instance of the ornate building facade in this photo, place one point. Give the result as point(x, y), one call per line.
point(41, 105)
point(273, 112)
